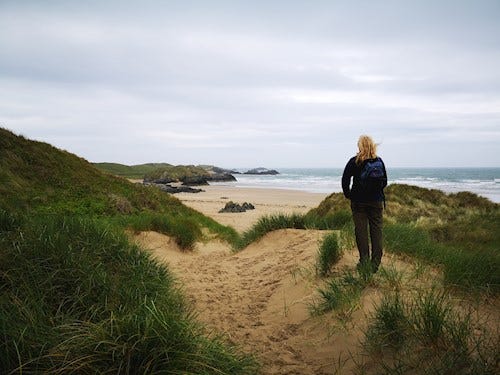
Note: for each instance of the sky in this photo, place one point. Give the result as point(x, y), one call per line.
point(255, 83)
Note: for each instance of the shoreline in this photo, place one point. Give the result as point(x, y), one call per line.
point(267, 201)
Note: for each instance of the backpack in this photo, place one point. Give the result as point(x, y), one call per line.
point(372, 177)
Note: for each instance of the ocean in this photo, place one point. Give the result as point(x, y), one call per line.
point(482, 181)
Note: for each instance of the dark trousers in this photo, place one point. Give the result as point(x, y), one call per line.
point(368, 215)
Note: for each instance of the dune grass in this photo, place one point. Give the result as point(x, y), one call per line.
point(455, 232)
point(478, 269)
point(342, 292)
point(425, 333)
point(76, 296)
point(329, 253)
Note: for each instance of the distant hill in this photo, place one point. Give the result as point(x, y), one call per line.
point(35, 176)
point(130, 171)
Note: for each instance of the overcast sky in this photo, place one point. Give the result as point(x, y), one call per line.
point(255, 83)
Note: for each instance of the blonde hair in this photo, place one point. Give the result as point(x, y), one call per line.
point(367, 149)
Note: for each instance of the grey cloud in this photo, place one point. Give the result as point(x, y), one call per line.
point(230, 80)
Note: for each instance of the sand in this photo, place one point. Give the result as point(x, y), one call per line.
point(266, 202)
point(259, 299)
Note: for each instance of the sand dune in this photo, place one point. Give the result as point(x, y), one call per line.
point(259, 299)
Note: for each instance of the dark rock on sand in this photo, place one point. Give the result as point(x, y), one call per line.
point(236, 207)
point(261, 171)
point(174, 189)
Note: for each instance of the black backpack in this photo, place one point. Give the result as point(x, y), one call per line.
point(372, 177)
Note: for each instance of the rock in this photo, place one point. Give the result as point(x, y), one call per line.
point(235, 207)
point(248, 206)
point(221, 177)
point(262, 171)
point(174, 189)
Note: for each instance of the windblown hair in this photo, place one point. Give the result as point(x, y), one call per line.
point(367, 149)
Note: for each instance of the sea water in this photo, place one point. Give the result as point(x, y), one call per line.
point(482, 181)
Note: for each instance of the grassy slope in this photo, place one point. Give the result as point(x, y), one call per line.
point(38, 178)
point(129, 171)
point(75, 296)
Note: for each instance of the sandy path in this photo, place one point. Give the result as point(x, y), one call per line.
point(259, 299)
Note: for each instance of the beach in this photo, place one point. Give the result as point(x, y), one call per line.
point(266, 202)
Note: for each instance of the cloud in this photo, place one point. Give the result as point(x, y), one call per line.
point(282, 83)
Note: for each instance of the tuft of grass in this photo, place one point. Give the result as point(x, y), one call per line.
point(430, 315)
point(339, 294)
point(329, 253)
point(392, 276)
point(391, 325)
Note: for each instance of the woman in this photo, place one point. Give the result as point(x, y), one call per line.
point(367, 197)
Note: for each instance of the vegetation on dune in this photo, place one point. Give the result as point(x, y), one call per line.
point(424, 331)
point(41, 179)
point(458, 232)
point(76, 296)
point(329, 253)
point(129, 171)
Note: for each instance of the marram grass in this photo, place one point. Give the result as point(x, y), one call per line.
point(425, 333)
point(77, 297)
point(329, 253)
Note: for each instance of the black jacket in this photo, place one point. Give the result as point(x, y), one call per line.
point(356, 192)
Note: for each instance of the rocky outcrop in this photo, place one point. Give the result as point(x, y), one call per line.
point(188, 175)
point(236, 207)
point(262, 171)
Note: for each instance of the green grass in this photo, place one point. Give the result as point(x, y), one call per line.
point(329, 253)
point(424, 332)
point(390, 324)
point(75, 296)
point(340, 293)
point(478, 269)
point(130, 171)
